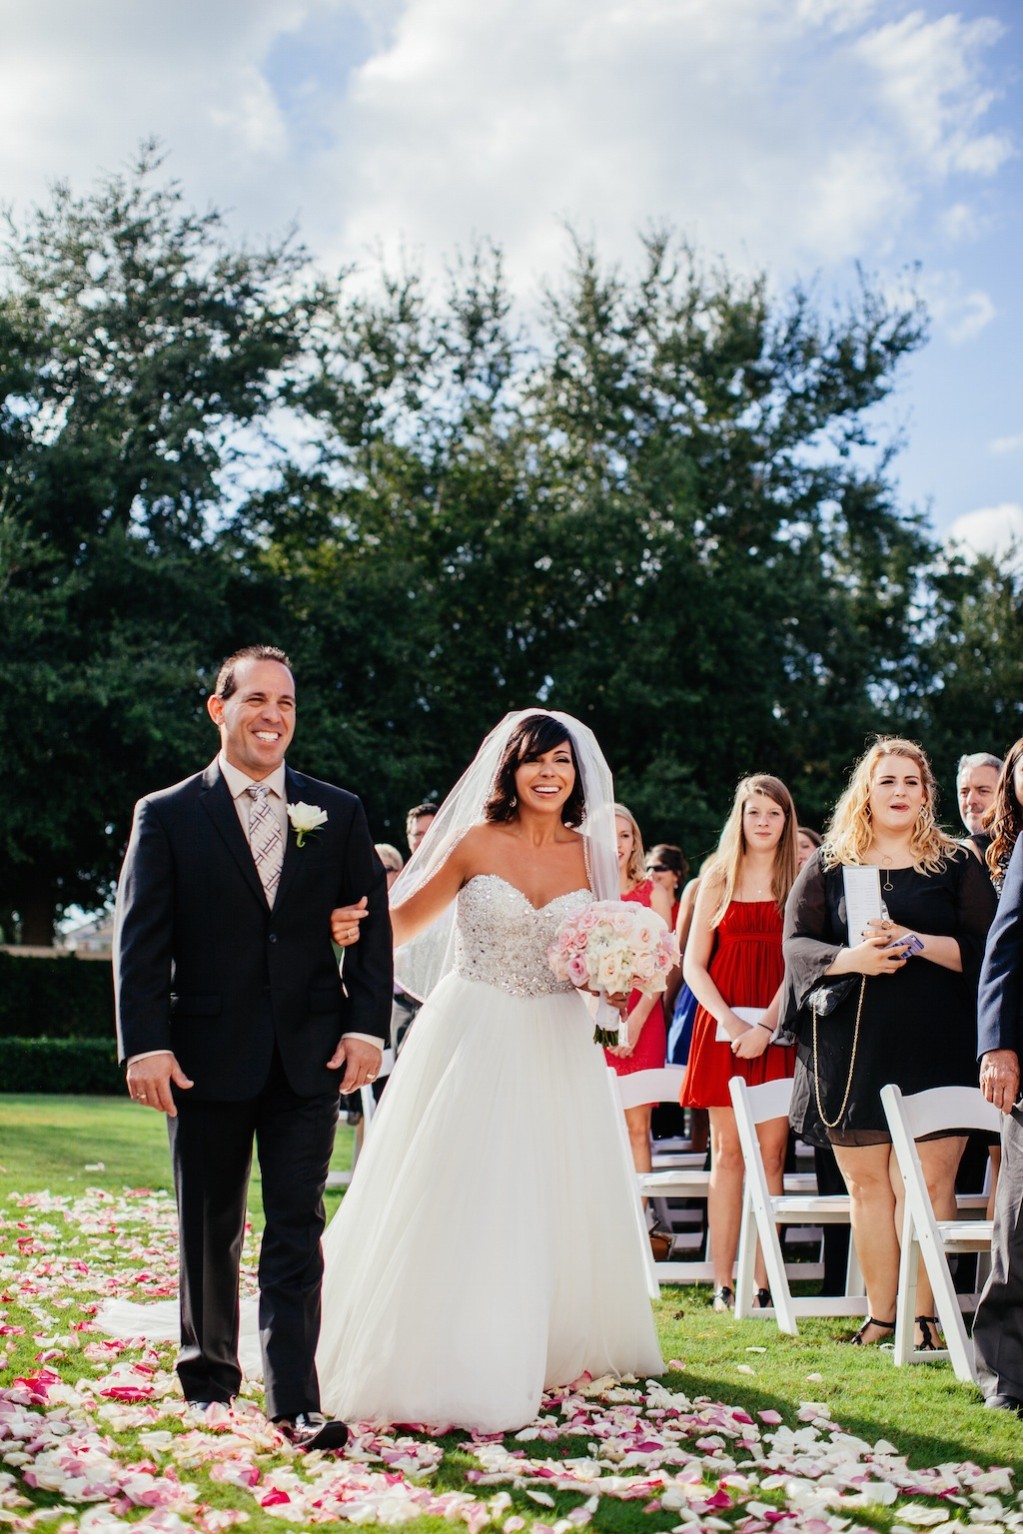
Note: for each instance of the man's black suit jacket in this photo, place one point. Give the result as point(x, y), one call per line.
point(204, 967)
point(999, 1015)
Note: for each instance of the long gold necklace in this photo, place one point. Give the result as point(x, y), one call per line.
point(832, 1123)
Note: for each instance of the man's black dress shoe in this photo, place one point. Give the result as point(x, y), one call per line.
point(1004, 1403)
point(312, 1430)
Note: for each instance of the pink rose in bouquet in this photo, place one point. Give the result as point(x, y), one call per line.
point(610, 948)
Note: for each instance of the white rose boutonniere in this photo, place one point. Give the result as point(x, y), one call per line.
point(305, 819)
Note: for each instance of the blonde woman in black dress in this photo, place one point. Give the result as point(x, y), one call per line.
point(911, 1020)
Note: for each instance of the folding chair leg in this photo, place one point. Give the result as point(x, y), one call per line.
point(905, 1307)
point(946, 1305)
point(652, 1285)
point(746, 1263)
point(762, 1226)
point(854, 1284)
point(781, 1294)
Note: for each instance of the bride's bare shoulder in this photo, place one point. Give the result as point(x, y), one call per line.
point(482, 841)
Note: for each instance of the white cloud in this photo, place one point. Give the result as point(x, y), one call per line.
point(960, 223)
point(990, 529)
point(927, 72)
point(779, 133)
point(82, 86)
point(960, 314)
point(1006, 444)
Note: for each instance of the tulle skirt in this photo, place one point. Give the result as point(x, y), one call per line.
point(489, 1246)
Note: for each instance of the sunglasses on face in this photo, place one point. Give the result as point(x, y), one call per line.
point(659, 868)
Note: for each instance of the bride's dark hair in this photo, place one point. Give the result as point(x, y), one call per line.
point(531, 739)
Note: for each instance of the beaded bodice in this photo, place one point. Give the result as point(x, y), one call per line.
point(502, 939)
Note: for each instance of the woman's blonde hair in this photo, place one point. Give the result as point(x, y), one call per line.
point(850, 832)
point(726, 868)
point(635, 869)
point(390, 857)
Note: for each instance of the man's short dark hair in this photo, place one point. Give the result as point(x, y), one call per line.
point(420, 812)
point(226, 683)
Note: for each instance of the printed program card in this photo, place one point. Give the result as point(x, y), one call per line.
point(862, 900)
point(751, 1015)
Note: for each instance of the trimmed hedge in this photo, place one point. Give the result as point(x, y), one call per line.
point(61, 998)
point(60, 1065)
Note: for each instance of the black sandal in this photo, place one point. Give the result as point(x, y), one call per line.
point(762, 1300)
point(930, 1342)
point(723, 1299)
point(858, 1339)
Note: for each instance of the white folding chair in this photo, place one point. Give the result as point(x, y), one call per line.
point(691, 1181)
point(763, 1212)
point(924, 1236)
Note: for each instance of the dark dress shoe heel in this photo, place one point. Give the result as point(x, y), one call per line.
point(723, 1299)
point(312, 1430)
point(1004, 1403)
point(762, 1300)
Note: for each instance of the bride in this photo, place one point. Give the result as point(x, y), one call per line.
point(489, 1247)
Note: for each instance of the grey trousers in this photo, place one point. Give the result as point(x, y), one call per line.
point(998, 1325)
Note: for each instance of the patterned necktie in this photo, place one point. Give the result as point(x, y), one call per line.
point(265, 840)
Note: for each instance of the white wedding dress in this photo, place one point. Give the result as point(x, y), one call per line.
point(489, 1246)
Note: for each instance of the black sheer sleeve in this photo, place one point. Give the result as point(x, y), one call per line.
point(976, 904)
point(808, 941)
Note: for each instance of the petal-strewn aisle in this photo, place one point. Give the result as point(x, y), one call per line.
point(94, 1435)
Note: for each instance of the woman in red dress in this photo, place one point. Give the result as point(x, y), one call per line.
point(734, 963)
point(645, 1045)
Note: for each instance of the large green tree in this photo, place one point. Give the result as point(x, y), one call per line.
point(139, 352)
point(722, 508)
point(665, 511)
point(664, 503)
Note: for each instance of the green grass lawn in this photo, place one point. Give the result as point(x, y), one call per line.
point(56, 1144)
point(67, 1144)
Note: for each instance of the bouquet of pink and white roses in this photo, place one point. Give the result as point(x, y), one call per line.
point(613, 947)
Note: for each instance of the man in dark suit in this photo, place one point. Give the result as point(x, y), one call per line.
point(234, 1022)
point(998, 1325)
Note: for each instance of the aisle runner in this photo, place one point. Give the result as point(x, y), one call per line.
point(99, 1422)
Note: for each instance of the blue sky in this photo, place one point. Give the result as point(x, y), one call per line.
point(800, 136)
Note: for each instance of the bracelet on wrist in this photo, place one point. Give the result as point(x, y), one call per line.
point(767, 1027)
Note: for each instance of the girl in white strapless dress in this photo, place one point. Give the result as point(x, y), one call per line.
point(488, 1247)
